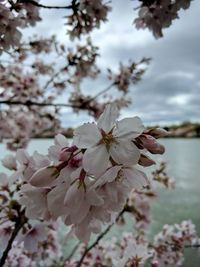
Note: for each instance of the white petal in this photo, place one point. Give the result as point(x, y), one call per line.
point(3, 179)
point(74, 196)
point(96, 160)
point(40, 160)
point(86, 135)
point(128, 128)
point(61, 140)
point(22, 156)
point(125, 153)
point(75, 174)
point(35, 201)
point(136, 178)
point(9, 162)
point(55, 200)
point(78, 214)
point(112, 193)
point(82, 231)
point(93, 198)
point(107, 177)
point(107, 119)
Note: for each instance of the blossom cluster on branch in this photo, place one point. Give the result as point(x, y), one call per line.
point(97, 179)
point(15, 15)
point(88, 184)
point(95, 174)
point(84, 17)
point(159, 14)
point(31, 87)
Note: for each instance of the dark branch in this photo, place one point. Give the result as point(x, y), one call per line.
point(18, 226)
point(32, 103)
point(32, 2)
point(29, 103)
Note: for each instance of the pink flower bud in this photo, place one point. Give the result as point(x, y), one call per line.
point(44, 176)
point(151, 144)
point(158, 132)
point(146, 161)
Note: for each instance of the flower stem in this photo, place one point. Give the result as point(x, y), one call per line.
point(97, 240)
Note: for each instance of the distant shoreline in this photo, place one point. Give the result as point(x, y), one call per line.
point(185, 130)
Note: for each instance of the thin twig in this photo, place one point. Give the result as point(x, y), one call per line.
point(32, 103)
point(103, 91)
point(32, 2)
point(97, 240)
point(53, 77)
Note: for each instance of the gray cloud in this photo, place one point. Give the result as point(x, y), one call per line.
point(170, 90)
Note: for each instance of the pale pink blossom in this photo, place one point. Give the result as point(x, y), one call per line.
point(35, 201)
point(3, 179)
point(35, 235)
point(9, 162)
point(108, 138)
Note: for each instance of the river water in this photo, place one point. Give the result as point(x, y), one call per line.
point(172, 206)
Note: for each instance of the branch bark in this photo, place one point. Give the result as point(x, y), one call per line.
point(18, 226)
point(32, 103)
point(32, 2)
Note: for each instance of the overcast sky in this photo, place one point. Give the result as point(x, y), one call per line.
point(170, 89)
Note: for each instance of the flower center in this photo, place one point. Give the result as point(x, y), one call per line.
point(107, 139)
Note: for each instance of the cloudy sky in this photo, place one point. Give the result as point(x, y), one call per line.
point(170, 89)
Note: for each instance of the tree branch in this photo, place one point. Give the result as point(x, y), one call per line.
point(103, 91)
point(18, 226)
point(32, 2)
point(98, 239)
point(32, 103)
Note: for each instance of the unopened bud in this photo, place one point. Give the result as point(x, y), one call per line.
point(158, 132)
point(44, 176)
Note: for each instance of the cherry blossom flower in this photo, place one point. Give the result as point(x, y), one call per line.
point(156, 15)
point(108, 138)
point(32, 237)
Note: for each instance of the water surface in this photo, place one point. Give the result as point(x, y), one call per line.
point(172, 206)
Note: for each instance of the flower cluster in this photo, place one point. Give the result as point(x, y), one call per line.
point(113, 253)
point(138, 206)
point(83, 62)
point(87, 183)
point(127, 74)
point(14, 16)
point(86, 16)
point(169, 244)
point(158, 14)
point(82, 102)
point(19, 125)
point(33, 239)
